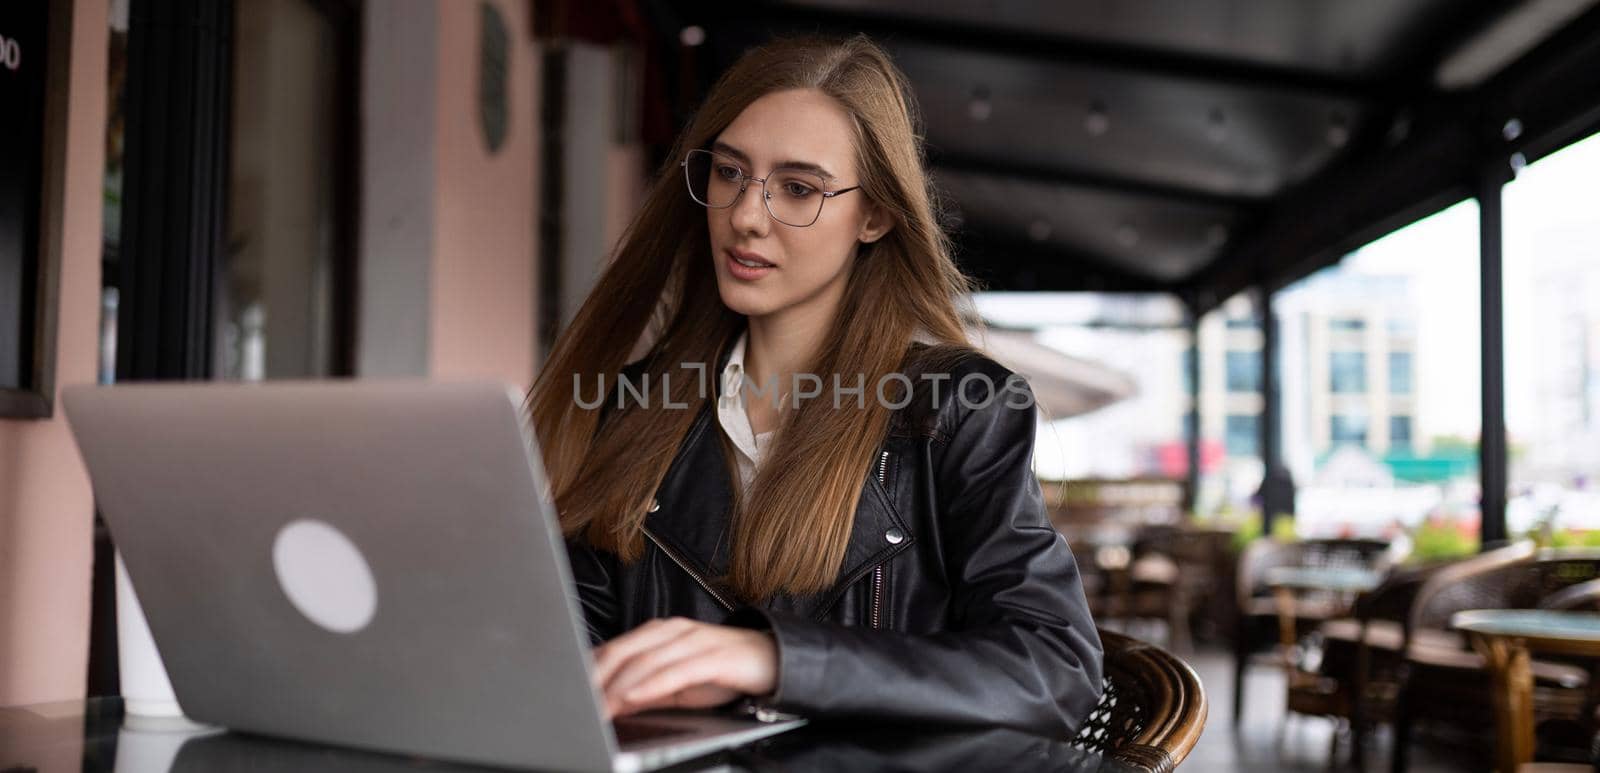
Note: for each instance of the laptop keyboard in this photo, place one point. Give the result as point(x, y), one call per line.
point(632, 731)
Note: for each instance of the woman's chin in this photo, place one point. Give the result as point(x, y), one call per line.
point(741, 301)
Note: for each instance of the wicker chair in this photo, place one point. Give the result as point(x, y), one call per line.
point(1257, 626)
point(1152, 711)
point(1362, 655)
point(1445, 681)
point(1170, 569)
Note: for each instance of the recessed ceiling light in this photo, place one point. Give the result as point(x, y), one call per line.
point(1097, 121)
point(1512, 129)
point(1216, 126)
point(692, 35)
point(1338, 130)
point(980, 108)
point(1399, 130)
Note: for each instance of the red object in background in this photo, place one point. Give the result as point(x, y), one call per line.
point(1172, 459)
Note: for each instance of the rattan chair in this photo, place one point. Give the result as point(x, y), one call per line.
point(1257, 627)
point(1362, 655)
point(1444, 681)
point(1152, 711)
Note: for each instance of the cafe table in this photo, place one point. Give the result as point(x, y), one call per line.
point(1287, 581)
point(1505, 638)
point(1306, 691)
point(96, 736)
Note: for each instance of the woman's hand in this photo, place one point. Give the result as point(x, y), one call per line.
point(683, 663)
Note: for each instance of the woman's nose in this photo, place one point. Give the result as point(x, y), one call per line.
point(750, 211)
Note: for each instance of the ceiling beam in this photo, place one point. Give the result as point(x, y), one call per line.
point(1335, 213)
point(1017, 43)
point(1552, 90)
point(1002, 262)
point(1033, 172)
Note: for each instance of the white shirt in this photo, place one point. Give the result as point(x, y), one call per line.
point(748, 446)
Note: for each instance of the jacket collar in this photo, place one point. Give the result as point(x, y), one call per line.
point(694, 512)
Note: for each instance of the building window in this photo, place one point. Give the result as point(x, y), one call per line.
point(1400, 433)
point(1243, 435)
point(1400, 373)
point(1244, 372)
point(1188, 371)
point(1347, 372)
point(1242, 323)
point(1347, 324)
point(1349, 429)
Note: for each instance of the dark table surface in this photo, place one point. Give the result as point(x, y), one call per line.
point(95, 735)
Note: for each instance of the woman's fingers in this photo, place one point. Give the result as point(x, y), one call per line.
point(642, 664)
point(679, 662)
point(613, 654)
point(677, 685)
point(697, 697)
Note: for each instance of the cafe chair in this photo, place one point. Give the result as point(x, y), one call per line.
point(1257, 629)
point(1355, 679)
point(1152, 711)
point(1444, 682)
point(1154, 585)
point(1583, 597)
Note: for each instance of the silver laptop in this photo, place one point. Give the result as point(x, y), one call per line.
point(372, 564)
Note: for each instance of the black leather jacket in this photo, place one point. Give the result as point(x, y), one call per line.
point(957, 601)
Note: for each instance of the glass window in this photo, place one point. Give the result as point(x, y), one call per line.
point(1348, 429)
point(284, 304)
point(1552, 340)
point(1399, 434)
point(1244, 372)
point(1137, 343)
point(1417, 291)
point(1399, 373)
point(1230, 402)
point(1347, 324)
point(1347, 372)
point(1243, 434)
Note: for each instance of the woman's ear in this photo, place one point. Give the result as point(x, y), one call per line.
point(877, 224)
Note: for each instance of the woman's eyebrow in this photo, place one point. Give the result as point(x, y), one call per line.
point(723, 147)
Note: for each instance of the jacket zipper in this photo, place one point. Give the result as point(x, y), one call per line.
point(876, 619)
point(704, 585)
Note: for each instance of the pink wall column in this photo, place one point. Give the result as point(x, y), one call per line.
point(46, 508)
point(483, 278)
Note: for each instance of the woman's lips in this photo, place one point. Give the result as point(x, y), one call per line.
point(746, 273)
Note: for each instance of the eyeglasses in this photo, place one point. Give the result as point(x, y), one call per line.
point(793, 197)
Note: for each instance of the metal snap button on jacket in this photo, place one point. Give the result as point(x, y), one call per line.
point(894, 535)
point(654, 505)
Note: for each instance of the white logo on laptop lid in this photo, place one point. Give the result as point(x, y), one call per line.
point(325, 576)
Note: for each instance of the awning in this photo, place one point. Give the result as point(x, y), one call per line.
point(1064, 385)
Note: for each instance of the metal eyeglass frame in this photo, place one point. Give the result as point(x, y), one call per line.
point(766, 197)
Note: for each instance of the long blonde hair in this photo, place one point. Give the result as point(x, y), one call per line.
point(790, 533)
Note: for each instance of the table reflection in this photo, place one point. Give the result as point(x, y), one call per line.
point(58, 736)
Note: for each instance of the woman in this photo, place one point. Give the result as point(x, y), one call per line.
point(848, 524)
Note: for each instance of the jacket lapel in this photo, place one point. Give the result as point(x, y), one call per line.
point(694, 517)
point(695, 498)
point(876, 524)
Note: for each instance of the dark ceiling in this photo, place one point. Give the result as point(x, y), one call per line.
point(1200, 146)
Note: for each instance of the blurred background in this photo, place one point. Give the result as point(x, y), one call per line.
point(1312, 270)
